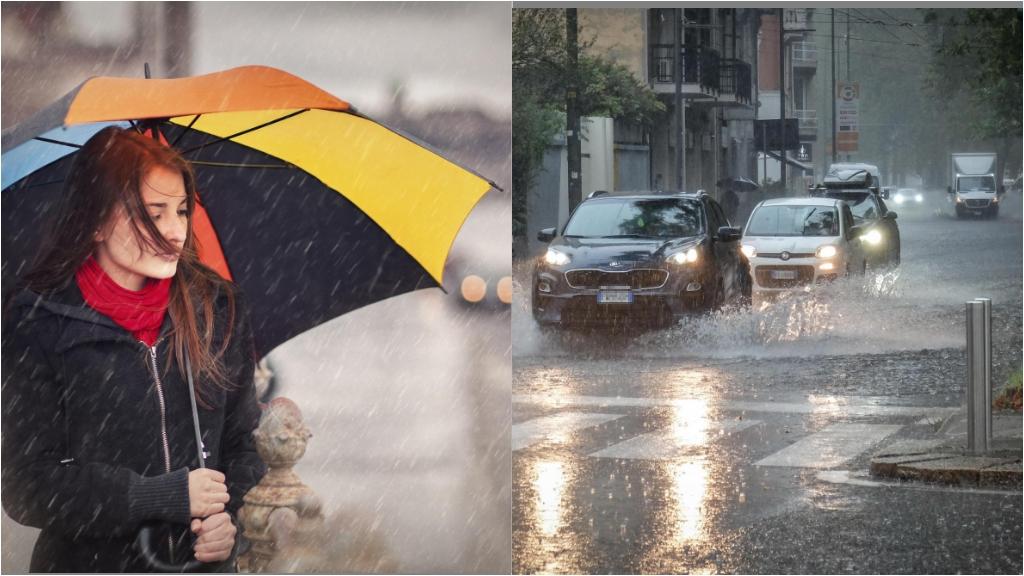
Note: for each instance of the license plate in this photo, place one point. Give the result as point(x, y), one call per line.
point(615, 297)
point(784, 274)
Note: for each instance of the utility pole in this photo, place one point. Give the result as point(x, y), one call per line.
point(847, 57)
point(678, 64)
point(833, 91)
point(572, 113)
point(782, 96)
point(847, 44)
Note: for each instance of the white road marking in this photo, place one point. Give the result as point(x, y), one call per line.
point(830, 447)
point(670, 444)
point(526, 434)
point(845, 477)
point(835, 405)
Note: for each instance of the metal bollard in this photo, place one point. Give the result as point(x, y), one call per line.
point(979, 375)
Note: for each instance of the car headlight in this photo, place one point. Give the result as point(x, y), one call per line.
point(873, 237)
point(826, 252)
point(918, 198)
point(899, 198)
point(684, 257)
point(556, 258)
point(748, 250)
point(995, 200)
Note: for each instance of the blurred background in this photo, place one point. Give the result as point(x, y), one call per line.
point(408, 399)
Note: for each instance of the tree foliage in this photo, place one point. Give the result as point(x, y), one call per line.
point(977, 64)
point(541, 74)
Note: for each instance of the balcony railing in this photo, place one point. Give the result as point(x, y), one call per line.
point(805, 54)
point(697, 65)
point(806, 119)
point(734, 79)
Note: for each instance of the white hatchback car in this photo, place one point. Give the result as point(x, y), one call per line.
point(796, 242)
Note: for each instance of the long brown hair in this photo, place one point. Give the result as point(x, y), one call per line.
point(107, 174)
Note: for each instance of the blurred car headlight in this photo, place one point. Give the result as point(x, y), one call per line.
point(474, 288)
point(748, 250)
point(828, 251)
point(919, 198)
point(505, 290)
point(899, 199)
point(826, 266)
point(556, 258)
point(684, 257)
point(873, 237)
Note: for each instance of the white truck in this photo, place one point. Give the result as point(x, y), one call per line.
point(973, 187)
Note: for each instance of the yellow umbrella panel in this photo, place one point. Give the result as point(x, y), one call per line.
point(418, 197)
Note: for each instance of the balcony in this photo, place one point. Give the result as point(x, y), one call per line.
point(805, 55)
point(734, 81)
point(807, 120)
point(697, 66)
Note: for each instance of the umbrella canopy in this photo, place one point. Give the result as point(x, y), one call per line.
point(312, 208)
point(740, 184)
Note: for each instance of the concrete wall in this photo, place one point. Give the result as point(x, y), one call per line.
point(547, 202)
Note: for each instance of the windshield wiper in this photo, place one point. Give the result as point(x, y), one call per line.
point(629, 236)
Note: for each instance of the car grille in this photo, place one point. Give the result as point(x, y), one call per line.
point(977, 203)
point(779, 255)
point(644, 311)
point(635, 279)
point(804, 275)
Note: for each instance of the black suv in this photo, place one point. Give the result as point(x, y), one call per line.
point(646, 258)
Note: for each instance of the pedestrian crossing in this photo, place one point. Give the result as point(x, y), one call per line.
point(666, 444)
point(564, 423)
point(830, 447)
point(827, 447)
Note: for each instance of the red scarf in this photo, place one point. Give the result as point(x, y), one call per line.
point(139, 312)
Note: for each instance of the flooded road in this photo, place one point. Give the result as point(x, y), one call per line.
point(715, 446)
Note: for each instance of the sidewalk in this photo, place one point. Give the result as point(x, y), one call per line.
point(943, 457)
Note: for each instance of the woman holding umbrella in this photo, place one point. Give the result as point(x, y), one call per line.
point(128, 403)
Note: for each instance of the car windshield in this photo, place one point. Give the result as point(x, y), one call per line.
point(791, 220)
point(984, 183)
point(630, 217)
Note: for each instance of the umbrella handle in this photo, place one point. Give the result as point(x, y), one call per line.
point(143, 542)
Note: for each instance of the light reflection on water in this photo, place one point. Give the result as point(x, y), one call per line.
point(689, 486)
point(549, 485)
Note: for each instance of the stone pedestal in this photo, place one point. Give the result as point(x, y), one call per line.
point(280, 504)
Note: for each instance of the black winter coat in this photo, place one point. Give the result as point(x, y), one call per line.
point(83, 429)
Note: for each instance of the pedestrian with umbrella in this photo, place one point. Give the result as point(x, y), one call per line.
point(129, 350)
point(114, 324)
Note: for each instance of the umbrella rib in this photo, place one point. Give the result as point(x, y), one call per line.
point(246, 131)
point(52, 141)
point(183, 132)
point(239, 164)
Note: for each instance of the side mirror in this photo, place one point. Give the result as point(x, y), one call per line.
point(729, 234)
point(890, 216)
point(885, 193)
point(546, 234)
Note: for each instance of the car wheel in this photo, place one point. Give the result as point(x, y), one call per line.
point(993, 212)
point(960, 213)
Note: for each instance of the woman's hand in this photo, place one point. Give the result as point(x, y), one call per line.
point(216, 537)
point(207, 492)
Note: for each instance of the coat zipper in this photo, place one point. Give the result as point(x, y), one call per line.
point(163, 425)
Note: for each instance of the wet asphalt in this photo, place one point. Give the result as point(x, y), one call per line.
point(715, 446)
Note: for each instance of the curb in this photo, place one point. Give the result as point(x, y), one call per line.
point(929, 461)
